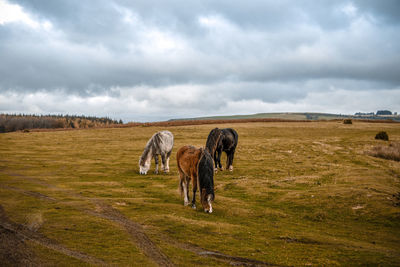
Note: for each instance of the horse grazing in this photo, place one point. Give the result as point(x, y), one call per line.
point(160, 143)
point(227, 143)
point(196, 164)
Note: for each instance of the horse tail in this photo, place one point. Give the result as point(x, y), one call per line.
point(235, 136)
point(205, 173)
point(180, 171)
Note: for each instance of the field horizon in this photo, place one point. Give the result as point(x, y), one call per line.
point(301, 193)
point(299, 116)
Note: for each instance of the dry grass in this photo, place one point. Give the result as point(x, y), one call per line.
point(300, 194)
point(391, 151)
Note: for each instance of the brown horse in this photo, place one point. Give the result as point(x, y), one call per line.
point(196, 164)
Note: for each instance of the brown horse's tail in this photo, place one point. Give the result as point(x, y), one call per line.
point(180, 172)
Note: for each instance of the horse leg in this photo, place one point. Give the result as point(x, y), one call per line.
point(187, 189)
point(184, 188)
point(194, 181)
point(215, 162)
point(167, 163)
point(230, 159)
point(156, 160)
point(163, 162)
point(219, 159)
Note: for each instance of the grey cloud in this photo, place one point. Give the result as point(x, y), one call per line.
point(272, 51)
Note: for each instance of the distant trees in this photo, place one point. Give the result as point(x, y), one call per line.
point(11, 123)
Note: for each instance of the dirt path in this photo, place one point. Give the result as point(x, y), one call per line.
point(135, 230)
point(17, 233)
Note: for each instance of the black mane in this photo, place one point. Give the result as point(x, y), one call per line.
point(206, 173)
point(212, 140)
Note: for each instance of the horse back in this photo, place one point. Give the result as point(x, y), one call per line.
point(229, 139)
point(163, 142)
point(187, 158)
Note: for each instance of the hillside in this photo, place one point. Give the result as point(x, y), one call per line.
point(294, 116)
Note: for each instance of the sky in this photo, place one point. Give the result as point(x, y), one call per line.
point(148, 60)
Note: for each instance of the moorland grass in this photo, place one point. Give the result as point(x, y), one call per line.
point(391, 151)
point(300, 194)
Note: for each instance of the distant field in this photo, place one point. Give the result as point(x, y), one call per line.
point(300, 116)
point(301, 193)
point(283, 116)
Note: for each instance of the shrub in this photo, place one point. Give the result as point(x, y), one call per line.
point(347, 121)
point(391, 152)
point(382, 136)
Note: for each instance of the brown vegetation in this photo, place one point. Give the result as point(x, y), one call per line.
point(201, 122)
point(347, 121)
point(392, 151)
point(12, 123)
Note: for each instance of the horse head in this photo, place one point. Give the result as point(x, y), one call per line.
point(144, 165)
point(206, 200)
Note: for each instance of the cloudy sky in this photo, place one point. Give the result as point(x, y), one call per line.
point(149, 60)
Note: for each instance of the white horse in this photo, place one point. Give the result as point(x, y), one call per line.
point(160, 143)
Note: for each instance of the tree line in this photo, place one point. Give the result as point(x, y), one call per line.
point(18, 122)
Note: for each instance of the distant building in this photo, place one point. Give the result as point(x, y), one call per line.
point(383, 112)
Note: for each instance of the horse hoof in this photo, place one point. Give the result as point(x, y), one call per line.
point(221, 168)
point(194, 206)
point(215, 170)
point(186, 204)
point(231, 168)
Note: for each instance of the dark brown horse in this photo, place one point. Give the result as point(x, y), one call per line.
point(227, 143)
point(196, 165)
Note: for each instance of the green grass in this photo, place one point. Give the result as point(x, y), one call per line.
point(300, 194)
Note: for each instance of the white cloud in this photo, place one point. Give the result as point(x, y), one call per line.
point(11, 13)
point(349, 9)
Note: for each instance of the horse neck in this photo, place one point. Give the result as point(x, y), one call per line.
point(211, 145)
point(147, 153)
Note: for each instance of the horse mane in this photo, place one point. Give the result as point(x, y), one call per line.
point(147, 149)
point(212, 140)
point(205, 171)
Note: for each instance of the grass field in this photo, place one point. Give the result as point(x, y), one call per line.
point(283, 116)
point(300, 194)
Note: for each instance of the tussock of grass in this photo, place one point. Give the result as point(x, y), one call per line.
point(391, 152)
point(382, 135)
